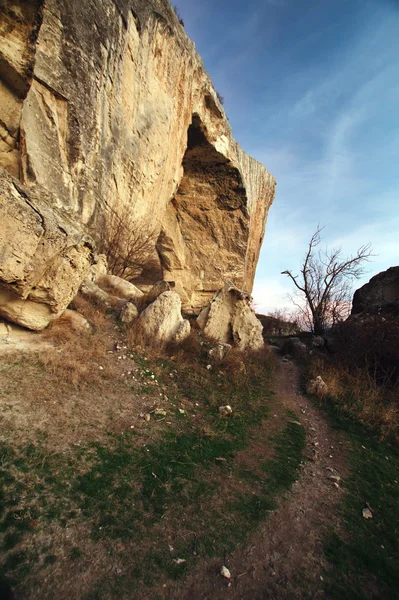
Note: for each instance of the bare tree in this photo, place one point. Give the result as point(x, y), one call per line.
point(126, 244)
point(324, 283)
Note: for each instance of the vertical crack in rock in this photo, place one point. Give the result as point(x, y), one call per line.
point(20, 22)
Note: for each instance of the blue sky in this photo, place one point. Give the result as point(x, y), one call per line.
point(311, 89)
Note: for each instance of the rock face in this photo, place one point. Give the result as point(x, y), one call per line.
point(162, 320)
point(106, 106)
point(229, 319)
point(43, 257)
point(380, 294)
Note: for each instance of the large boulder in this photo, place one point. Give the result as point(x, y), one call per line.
point(44, 257)
point(229, 319)
point(380, 294)
point(119, 287)
point(161, 321)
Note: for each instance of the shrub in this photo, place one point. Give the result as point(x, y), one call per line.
point(127, 244)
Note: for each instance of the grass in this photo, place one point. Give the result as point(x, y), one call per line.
point(199, 485)
point(364, 553)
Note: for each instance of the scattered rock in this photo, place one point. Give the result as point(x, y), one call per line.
point(367, 514)
point(129, 313)
point(179, 561)
point(317, 387)
point(225, 411)
point(147, 417)
point(219, 352)
point(160, 412)
point(224, 571)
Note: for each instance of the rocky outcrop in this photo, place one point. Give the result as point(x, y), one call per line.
point(229, 319)
point(44, 257)
point(380, 294)
point(162, 320)
point(106, 106)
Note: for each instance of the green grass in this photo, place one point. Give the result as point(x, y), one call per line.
point(364, 556)
point(135, 496)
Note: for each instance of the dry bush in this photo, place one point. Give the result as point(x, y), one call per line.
point(127, 244)
point(358, 393)
point(138, 340)
point(78, 356)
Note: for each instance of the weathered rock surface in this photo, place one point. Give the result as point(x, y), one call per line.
point(107, 106)
point(43, 256)
point(99, 268)
point(129, 313)
point(380, 294)
point(119, 287)
point(229, 319)
point(162, 320)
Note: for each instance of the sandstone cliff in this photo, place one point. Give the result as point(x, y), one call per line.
point(106, 106)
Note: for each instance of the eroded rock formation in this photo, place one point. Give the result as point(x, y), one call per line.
point(106, 106)
point(43, 257)
point(380, 294)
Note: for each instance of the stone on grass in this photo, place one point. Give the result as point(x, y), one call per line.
point(225, 411)
point(219, 352)
point(317, 387)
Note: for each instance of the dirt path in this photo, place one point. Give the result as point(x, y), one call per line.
point(284, 558)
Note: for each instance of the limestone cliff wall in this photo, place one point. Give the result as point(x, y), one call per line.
point(106, 106)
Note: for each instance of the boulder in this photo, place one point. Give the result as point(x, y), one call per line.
point(44, 256)
point(295, 348)
point(229, 319)
point(119, 287)
point(317, 387)
point(74, 320)
point(162, 321)
point(317, 341)
point(129, 313)
point(98, 296)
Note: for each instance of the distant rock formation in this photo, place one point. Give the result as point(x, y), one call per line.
point(380, 294)
point(106, 107)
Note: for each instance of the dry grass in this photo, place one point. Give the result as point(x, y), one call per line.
point(359, 393)
point(79, 357)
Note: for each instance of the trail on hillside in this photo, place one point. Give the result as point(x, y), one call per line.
point(284, 558)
